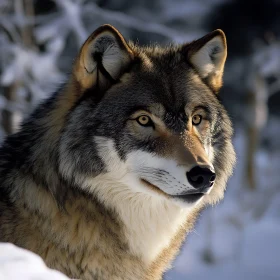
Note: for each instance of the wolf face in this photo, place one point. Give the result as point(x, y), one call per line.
point(148, 120)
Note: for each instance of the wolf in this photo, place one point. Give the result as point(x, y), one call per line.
point(107, 176)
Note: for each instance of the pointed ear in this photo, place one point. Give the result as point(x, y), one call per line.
point(102, 59)
point(208, 55)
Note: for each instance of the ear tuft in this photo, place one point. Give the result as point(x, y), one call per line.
point(103, 58)
point(208, 55)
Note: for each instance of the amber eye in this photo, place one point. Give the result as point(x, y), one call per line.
point(145, 120)
point(196, 119)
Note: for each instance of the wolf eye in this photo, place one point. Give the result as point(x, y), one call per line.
point(144, 121)
point(196, 119)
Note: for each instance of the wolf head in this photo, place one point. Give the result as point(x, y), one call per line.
point(148, 119)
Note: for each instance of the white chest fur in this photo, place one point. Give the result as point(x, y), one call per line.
point(150, 224)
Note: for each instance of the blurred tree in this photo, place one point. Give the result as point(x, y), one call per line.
point(244, 22)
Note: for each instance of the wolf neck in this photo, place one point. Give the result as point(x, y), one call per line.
point(150, 223)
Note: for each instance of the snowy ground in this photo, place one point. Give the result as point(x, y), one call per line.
point(20, 264)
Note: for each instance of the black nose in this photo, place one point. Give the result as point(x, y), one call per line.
point(201, 177)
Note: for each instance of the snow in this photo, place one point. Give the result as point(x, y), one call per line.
point(17, 263)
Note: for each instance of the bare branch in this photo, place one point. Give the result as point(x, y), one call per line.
point(138, 24)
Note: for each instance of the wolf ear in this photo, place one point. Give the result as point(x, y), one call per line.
point(208, 55)
point(102, 59)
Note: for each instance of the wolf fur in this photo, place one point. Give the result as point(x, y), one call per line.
point(96, 193)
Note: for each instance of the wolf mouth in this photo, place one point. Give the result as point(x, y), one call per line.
point(153, 187)
point(189, 198)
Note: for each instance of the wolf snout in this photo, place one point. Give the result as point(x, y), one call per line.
point(201, 178)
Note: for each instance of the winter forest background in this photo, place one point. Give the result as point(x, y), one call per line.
point(239, 238)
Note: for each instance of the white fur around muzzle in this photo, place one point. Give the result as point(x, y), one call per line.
point(163, 173)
